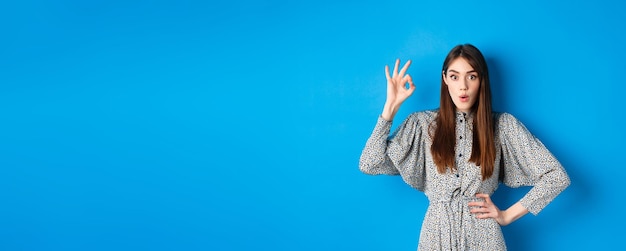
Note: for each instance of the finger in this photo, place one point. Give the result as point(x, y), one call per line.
point(404, 81)
point(483, 213)
point(486, 197)
point(484, 216)
point(476, 210)
point(482, 195)
point(480, 204)
point(483, 208)
point(407, 79)
point(477, 203)
point(405, 67)
point(387, 72)
point(411, 85)
point(395, 68)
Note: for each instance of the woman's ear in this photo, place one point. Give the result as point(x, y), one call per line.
point(443, 76)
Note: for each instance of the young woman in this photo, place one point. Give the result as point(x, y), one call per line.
point(458, 154)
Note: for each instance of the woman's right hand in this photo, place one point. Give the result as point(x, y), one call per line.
point(397, 92)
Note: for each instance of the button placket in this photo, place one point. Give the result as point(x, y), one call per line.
point(462, 137)
point(463, 147)
point(460, 147)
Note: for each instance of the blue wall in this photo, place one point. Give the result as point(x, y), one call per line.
point(237, 125)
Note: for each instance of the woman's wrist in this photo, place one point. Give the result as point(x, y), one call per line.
point(510, 215)
point(389, 111)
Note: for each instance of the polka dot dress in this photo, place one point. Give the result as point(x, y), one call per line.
point(521, 160)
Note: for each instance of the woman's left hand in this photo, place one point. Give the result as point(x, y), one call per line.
point(485, 209)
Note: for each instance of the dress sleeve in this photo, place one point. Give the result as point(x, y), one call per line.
point(400, 153)
point(527, 162)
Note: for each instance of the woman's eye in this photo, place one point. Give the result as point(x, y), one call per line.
point(473, 77)
point(454, 77)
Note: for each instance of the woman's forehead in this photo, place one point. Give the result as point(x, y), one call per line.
point(459, 65)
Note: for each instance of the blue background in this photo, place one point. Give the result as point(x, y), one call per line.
point(238, 125)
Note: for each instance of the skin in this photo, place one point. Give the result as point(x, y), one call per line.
point(397, 92)
point(463, 84)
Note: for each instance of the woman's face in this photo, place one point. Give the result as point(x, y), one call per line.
point(463, 83)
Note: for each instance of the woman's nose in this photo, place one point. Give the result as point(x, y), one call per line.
point(464, 85)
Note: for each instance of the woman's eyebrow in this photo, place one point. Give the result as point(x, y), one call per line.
point(454, 71)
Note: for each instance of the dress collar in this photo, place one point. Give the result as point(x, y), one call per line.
point(469, 116)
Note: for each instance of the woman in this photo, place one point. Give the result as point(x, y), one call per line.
point(458, 154)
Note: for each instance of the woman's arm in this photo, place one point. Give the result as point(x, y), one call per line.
point(373, 158)
point(527, 162)
point(401, 152)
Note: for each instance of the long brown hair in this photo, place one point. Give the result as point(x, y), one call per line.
point(444, 138)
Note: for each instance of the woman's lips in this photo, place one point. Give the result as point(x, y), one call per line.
point(464, 98)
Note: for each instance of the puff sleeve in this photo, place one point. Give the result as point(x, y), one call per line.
point(527, 162)
point(401, 153)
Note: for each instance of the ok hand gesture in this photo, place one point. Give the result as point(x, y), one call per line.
point(397, 92)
